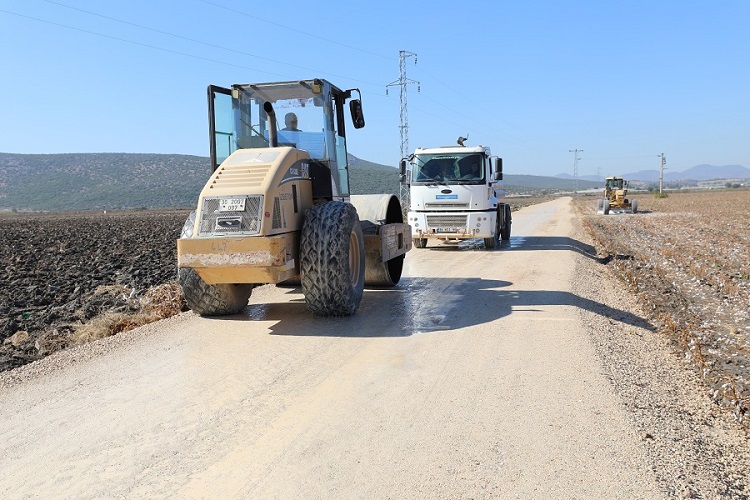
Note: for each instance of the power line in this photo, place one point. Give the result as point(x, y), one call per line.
point(402, 82)
point(575, 164)
point(662, 162)
point(180, 37)
point(481, 126)
point(293, 29)
point(141, 44)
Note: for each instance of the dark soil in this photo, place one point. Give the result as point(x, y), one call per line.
point(58, 271)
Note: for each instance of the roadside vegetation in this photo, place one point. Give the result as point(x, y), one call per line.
point(686, 257)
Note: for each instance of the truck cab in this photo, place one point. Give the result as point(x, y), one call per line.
point(455, 193)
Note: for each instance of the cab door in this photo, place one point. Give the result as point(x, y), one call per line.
point(222, 136)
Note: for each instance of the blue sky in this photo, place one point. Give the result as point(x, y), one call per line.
point(621, 81)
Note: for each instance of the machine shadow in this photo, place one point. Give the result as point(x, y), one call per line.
point(553, 243)
point(421, 305)
point(521, 243)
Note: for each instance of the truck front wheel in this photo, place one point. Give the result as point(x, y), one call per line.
point(332, 259)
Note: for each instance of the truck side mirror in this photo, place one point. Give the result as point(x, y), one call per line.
point(358, 118)
point(499, 169)
point(402, 172)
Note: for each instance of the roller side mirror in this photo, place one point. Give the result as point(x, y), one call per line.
point(358, 118)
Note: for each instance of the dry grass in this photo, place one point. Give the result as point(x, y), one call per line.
point(689, 263)
point(157, 303)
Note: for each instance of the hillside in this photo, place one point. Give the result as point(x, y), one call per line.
point(109, 181)
point(89, 181)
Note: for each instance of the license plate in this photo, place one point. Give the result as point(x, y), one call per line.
point(232, 204)
point(446, 230)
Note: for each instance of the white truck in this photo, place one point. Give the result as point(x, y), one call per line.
point(454, 193)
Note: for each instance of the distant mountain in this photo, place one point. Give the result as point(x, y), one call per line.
point(109, 181)
point(696, 173)
point(91, 181)
point(522, 182)
point(710, 172)
point(590, 178)
point(366, 177)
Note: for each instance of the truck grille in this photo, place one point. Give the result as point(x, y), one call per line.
point(446, 221)
point(449, 206)
point(215, 223)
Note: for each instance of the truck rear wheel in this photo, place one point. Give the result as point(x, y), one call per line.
point(490, 243)
point(205, 299)
point(507, 221)
point(332, 259)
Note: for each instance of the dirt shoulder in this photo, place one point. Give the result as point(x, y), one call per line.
point(686, 260)
point(697, 448)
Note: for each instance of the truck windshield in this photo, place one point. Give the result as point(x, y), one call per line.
point(448, 168)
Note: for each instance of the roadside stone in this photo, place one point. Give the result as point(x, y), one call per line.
point(17, 338)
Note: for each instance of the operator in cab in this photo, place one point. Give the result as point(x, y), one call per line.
point(290, 122)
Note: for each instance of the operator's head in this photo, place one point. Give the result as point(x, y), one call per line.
point(290, 120)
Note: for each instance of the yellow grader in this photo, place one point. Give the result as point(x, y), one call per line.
point(614, 198)
point(277, 208)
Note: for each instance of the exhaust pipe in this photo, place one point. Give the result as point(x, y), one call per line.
point(273, 137)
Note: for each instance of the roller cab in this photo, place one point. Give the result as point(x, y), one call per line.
point(277, 206)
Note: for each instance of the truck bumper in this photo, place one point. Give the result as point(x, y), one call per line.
point(452, 225)
point(267, 259)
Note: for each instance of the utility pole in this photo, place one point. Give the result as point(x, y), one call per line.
point(575, 164)
point(404, 127)
point(661, 171)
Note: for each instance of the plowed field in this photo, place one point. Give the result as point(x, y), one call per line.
point(687, 258)
point(59, 271)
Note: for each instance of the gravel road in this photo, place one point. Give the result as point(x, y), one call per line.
point(517, 373)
